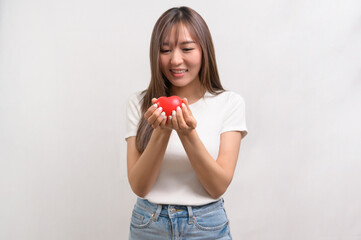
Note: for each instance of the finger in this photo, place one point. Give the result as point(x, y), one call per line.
point(150, 111)
point(155, 115)
point(185, 101)
point(186, 113)
point(164, 122)
point(180, 119)
point(159, 120)
point(169, 122)
point(154, 100)
point(174, 120)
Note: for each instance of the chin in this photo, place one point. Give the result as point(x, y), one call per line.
point(179, 83)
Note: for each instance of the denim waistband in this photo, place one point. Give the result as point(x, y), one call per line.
point(177, 210)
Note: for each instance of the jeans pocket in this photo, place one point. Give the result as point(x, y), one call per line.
point(212, 221)
point(141, 219)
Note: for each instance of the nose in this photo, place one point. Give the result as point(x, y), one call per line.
point(176, 58)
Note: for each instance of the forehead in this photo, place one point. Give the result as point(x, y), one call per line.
point(178, 33)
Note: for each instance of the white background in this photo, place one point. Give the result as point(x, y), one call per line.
point(68, 67)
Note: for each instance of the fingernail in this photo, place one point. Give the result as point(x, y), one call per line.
point(170, 118)
point(173, 113)
point(163, 114)
point(183, 105)
point(155, 105)
point(178, 109)
point(160, 109)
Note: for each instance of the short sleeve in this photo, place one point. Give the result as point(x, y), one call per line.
point(133, 114)
point(235, 115)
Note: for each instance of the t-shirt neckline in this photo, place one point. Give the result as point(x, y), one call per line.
point(201, 99)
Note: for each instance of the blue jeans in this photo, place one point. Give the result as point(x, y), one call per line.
point(172, 222)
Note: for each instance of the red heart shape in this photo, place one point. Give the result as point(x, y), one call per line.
point(169, 104)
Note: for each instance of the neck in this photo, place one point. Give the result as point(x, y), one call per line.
point(192, 93)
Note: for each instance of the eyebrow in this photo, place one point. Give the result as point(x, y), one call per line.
point(182, 43)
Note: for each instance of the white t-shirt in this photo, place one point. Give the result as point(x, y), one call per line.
point(177, 183)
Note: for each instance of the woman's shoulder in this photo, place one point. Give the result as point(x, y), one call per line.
point(136, 97)
point(226, 95)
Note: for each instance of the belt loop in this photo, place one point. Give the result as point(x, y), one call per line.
point(190, 215)
point(156, 214)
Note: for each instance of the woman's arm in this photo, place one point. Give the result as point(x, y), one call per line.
point(214, 175)
point(143, 169)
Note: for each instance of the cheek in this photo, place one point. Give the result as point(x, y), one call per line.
point(197, 63)
point(198, 60)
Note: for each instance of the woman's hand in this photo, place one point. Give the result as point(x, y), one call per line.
point(155, 116)
point(182, 119)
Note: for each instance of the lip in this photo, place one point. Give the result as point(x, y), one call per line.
point(178, 72)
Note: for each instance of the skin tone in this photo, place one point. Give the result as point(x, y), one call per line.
point(181, 63)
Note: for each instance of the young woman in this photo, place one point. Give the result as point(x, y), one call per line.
point(179, 166)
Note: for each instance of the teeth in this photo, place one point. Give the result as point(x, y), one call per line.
point(179, 71)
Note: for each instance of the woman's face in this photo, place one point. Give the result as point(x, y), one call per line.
point(181, 62)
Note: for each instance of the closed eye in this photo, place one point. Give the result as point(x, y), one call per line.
point(164, 50)
point(188, 49)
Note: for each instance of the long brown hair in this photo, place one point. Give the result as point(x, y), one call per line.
point(159, 84)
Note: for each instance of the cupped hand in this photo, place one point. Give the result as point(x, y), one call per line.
point(182, 119)
point(155, 115)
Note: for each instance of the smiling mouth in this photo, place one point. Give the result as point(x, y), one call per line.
point(179, 71)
